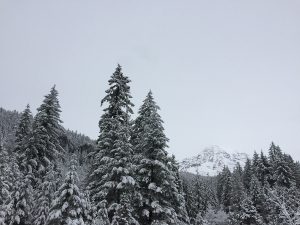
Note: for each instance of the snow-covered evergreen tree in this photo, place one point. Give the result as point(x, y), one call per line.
point(275, 155)
point(111, 177)
point(178, 198)
point(247, 174)
point(20, 205)
point(68, 208)
point(44, 152)
point(5, 179)
point(284, 205)
point(242, 210)
point(200, 200)
point(257, 196)
point(23, 134)
point(263, 170)
point(189, 200)
point(44, 195)
point(224, 187)
point(297, 174)
point(237, 193)
point(282, 168)
point(246, 215)
point(123, 213)
point(255, 163)
point(156, 180)
point(6, 185)
point(46, 130)
point(22, 191)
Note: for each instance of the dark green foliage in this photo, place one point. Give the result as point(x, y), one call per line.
point(297, 174)
point(189, 199)
point(46, 132)
point(23, 131)
point(255, 163)
point(258, 198)
point(45, 152)
point(68, 207)
point(21, 196)
point(224, 188)
point(247, 174)
point(111, 177)
point(281, 168)
point(201, 200)
point(246, 215)
point(264, 170)
point(8, 125)
point(237, 192)
point(6, 184)
point(157, 175)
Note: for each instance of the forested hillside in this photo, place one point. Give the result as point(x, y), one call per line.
point(70, 140)
point(52, 176)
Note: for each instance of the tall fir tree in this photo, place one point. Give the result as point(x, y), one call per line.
point(111, 178)
point(247, 174)
point(255, 163)
point(45, 151)
point(237, 193)
point(23, 134)
point(200, 200)
point(46, 131)
point(263, 170)
point(242, 210)
point(189, 200)
point(257, 196)
point(281, 168)
point(224, 187)
point(23, 193)
point(156, 179)
point(178, 198)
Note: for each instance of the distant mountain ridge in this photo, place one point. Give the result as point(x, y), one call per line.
point(211, 160)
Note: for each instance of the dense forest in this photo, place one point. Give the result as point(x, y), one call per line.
point(53, 176)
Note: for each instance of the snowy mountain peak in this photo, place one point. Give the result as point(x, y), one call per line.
point(211, 160)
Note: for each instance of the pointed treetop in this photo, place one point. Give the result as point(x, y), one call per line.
point(118, 95)
point(275, 152)
point(24, 127)
point(149, 106)
point(150, 93)
point(50, 106)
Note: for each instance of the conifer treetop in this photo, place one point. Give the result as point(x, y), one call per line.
point(46, 131)
point(50, 108)
point(118, 95)
point(24, 127)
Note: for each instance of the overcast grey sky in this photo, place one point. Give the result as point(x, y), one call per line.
point(225, 73)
